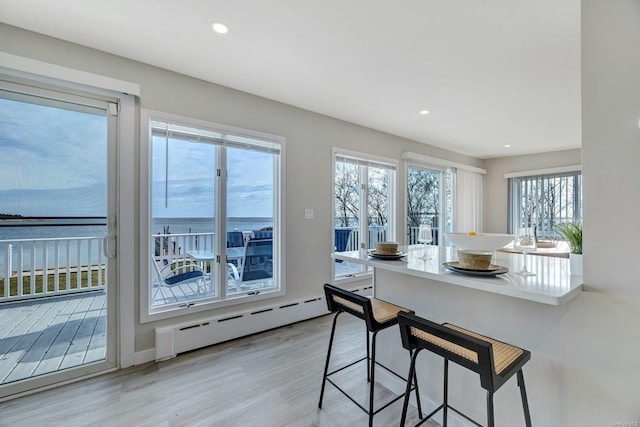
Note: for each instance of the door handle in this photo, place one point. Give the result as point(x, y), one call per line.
point(109, 245)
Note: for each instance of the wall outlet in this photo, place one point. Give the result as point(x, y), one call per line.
point(308, 214)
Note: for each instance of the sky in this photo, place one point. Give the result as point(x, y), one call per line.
point(53, 163)
point(190, 188)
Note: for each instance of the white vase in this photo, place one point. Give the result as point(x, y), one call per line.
point(575, 264)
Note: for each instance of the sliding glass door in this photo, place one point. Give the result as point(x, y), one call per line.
point(57, 236)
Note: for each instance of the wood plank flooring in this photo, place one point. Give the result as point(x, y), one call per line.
point(46, 335)
point(268, 379)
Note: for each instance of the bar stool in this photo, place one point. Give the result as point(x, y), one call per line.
point(493, 360)
point(377, 315)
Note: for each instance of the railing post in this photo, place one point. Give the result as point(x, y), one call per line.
point(7, 277)
point(9, 259)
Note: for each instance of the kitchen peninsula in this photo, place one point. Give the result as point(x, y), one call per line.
point(525, 311)
point(553, 284)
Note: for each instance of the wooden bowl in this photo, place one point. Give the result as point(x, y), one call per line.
point(474, 260)
point(387, 248)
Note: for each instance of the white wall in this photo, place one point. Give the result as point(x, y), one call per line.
point(611, 184)
point(585, 366)
point(309, 137)
point(495, 195)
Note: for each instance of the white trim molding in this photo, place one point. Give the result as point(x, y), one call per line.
point(19, 66)
point(561, 169)
point(434, 161)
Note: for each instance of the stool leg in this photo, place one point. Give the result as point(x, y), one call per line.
point(373, 374)
point(415, 382)
point(445, 405)
point(368, 359)
point(407, 393)
point(490, 419)
point(525, 402)
point(326, 365)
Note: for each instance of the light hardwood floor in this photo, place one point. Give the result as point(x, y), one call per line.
point(269, 379)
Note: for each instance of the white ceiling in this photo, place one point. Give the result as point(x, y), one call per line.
point(490, 72)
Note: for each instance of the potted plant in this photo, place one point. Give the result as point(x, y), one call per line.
point(572, 233)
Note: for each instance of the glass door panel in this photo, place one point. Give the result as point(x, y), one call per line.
point(183, 243)
point(55, 200)
point(424, 202)
point(250, 227)
point(347, 214)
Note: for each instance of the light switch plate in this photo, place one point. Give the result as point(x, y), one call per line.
point(308, 214)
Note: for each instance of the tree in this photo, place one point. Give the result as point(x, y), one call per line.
point(423, 197)
point(346, 194)
point(378, 202)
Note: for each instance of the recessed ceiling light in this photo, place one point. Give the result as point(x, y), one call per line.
point(424, 112)
point(219, 27)
point(507, 146)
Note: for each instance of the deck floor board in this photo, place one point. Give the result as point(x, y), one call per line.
point(44, 335)
point(37, 336)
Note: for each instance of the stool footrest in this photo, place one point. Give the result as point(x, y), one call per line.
point(353, 400)
point(442, 406)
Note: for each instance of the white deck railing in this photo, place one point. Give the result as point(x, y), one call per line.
point(34, 268)
point(171, 247)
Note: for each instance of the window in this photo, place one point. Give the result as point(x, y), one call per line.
point(443, 194)
point(214, 215)
point(425, 188)
point(363, 205)
point(542, 201)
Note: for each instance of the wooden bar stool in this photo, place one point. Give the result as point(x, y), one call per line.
point(377, 315)
point(493, 360)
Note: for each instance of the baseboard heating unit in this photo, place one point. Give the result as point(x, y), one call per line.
point(176, 339)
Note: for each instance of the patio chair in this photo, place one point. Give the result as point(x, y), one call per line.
point(234, 239)
point(257, 262)
point(261, 234)
point(178, 273)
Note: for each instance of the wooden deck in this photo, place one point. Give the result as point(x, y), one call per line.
point(51, 334)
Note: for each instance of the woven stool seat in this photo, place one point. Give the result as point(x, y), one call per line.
point(503, 354)
point(495, 361)
point(382, 311)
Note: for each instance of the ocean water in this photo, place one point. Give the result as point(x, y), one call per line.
point(61, 228)
point(48, 229)
point(207, 225)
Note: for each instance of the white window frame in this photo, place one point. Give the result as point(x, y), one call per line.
point(46, 76)
point(149, 314)
point(444, 216)
point(446, 167)
point(365, 160)
point(513, 212)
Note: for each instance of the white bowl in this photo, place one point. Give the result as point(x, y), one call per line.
point(480, 241)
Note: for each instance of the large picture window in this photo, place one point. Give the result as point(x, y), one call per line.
point(214, 215)
point(545, 200)
point(363, 205)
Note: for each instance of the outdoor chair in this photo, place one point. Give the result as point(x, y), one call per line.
point(257, 262)
point(261, 234)
point(234, 239)
point(179, 273)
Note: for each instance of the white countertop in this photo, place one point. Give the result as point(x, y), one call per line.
point(552, 283)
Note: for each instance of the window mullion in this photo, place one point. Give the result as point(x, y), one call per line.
point(364, 206)
point(220, 194)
